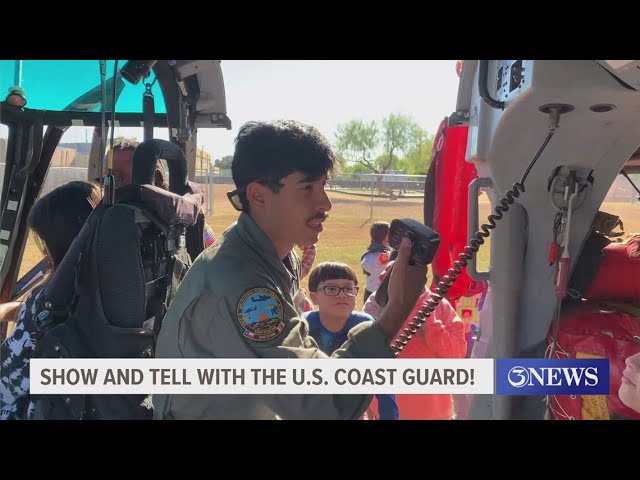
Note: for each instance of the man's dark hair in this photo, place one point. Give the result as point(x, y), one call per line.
point(331, 271)
point(378, 231)
point(57, 217)
point(268, 151)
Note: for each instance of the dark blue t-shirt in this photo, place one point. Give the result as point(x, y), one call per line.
point(329, 342)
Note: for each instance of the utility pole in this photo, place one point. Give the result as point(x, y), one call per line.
point(201, 157)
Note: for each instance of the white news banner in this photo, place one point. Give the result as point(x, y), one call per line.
point(262, 376)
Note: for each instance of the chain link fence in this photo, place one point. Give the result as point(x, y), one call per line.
point(368, 186)
point(388, 185)
point(379, 189)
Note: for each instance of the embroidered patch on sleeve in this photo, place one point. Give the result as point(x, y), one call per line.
point(260, 314)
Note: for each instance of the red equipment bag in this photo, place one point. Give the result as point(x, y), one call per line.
point(595, 330)
point(618, 276)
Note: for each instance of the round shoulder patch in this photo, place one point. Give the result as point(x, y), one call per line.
point(260, 314)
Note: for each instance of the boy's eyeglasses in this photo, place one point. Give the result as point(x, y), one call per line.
point(335, 291)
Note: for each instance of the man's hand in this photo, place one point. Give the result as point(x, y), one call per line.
point(407, 281)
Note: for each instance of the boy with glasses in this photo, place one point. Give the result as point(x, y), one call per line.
point(333, 288)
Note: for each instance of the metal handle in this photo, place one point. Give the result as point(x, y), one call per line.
point(473, 210)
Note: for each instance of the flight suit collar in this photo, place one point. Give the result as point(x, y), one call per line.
point(254, 236)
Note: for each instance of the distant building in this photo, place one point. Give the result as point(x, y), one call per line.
point(63, 157)
point(83, 148)
point(203, 159)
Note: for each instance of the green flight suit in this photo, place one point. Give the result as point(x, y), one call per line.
point(216, 313)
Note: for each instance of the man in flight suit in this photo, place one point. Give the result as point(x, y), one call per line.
point(238, 300)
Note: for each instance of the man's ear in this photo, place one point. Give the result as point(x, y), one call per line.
point(256, 194)
point(314, 297)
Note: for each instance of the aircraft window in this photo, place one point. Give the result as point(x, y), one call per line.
point(70, 162)
point(622, 200)
point(55, 84)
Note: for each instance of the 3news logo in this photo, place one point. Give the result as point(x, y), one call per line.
point(542, 376)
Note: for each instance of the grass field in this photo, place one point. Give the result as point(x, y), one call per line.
point(346, 232)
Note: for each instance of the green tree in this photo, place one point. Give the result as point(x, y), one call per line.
point(361, 142)
point(356, 142)
point(400, 135)
point(224, 163)
point(416, 161)
point(356, 168)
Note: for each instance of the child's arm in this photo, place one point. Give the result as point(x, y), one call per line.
point(371, 306)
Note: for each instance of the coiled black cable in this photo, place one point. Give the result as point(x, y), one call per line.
point(469, 251)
